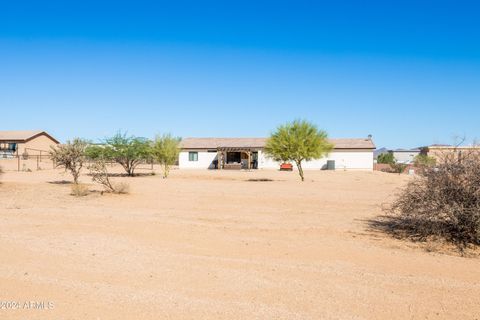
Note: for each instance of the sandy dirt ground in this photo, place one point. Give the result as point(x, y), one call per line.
point(214, 245)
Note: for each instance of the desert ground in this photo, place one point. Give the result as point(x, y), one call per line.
point(217, 245)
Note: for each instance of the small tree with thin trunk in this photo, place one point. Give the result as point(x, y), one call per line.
point(298, 141)
point(70, 156)
point(424, 161)
point(386, 158)
point(165, 150)
point(128, 151)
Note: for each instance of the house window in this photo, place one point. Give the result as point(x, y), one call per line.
point(193, 156)
point(11, 147)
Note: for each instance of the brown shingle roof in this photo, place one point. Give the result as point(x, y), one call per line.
point(23, 135)
point(353, 143)
point(214, 143)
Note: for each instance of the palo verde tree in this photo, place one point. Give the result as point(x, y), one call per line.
point(386, 158)
point(70, 156)
point(424, 161)
point(165, 150)
point(128, 151)
point(298, 141)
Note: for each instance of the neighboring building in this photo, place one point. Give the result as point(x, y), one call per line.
point(406, 156)
point(438, 151)
point(13, 143)
point(248, 153)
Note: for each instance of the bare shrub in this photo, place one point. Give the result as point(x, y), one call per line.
point(121, 188)
point(100, 175)
point(79, 190)
point(70, 156)
point(442, 203)
point(398, 167)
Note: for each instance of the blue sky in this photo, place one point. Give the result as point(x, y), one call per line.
point(407, 72)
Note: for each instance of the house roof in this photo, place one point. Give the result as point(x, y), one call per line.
point(353, 143)
point(24, 135)
point(214, 143)
point(406, 150)
point(450, 147)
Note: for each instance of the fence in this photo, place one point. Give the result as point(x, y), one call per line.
point(43, 162)
point(26, 163)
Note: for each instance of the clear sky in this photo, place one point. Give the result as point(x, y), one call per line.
point(407, 72)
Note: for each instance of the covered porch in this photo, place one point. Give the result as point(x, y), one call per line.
point(229, 158)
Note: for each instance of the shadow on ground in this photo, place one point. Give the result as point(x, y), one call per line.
point(60, 182)
point(431, 235)
point(124, 175)
point(398, 227)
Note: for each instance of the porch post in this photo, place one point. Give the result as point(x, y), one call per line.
point(218, 160)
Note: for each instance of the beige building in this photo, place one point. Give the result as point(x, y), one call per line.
point(439, 152)
point(33, 143)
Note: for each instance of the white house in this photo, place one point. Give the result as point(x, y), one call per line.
point(248, 153)
point(406, 156)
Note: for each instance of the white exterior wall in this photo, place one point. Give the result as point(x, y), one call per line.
point(344, 160)
point(405, 156)
point(205, 160)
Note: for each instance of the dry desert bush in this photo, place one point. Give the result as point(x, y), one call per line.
point(79, 190)
point(443, 202)
point(121, 188)
point(70, 156)
point(100, 175)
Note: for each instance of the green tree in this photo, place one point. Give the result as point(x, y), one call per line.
point(386, 158)
point(165, 150)
point(70, 156)
point(128, 151)
point(298, 141)
point(424, 161)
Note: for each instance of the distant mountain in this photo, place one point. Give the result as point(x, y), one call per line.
point(378, 152)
